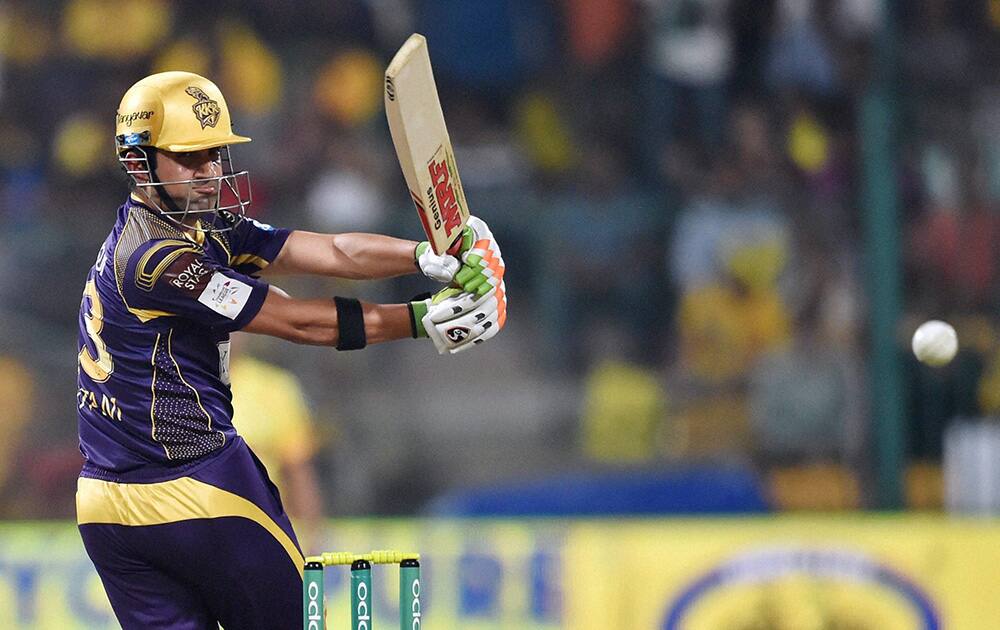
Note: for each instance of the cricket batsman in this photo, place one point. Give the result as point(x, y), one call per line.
point(176, 512)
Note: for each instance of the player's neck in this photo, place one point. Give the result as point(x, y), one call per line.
point(191, 226)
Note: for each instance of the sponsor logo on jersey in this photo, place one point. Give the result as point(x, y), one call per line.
point(206, 110)
point(189, 277)
point(147, 274)
point(226, 296)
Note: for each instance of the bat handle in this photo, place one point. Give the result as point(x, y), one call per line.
point(455, 247)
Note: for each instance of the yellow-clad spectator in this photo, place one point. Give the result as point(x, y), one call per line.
point(271, 413)
point(25, 36)
point(80, 146)
point(544, 133)
point(251, 71)
point(623, 413)
point(85, 27)
point(348, 88)
point(188, 54)
point(725, 328)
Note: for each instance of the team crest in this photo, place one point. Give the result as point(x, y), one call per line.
point(206, 110)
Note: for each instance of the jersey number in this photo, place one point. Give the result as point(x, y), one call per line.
point(99, 367)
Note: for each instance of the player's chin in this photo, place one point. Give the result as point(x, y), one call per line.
point(203, 202)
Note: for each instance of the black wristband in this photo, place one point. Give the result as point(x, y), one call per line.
point(351, 323)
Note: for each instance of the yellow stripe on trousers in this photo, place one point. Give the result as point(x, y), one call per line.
point(172, 501)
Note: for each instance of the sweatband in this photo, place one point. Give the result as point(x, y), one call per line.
point(351, 323)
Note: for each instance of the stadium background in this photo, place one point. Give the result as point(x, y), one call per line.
point(723, 219)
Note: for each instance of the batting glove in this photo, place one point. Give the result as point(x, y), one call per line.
point(456, 320)
point(441, 268)
point(482, 264)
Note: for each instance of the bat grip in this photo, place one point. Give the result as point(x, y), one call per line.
point(455, 247)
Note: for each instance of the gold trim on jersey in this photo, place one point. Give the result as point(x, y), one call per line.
point(136, 231)
point(252, 259)
point(223, 241)
point(172, 501)
point(199, 236)
point(146, 279)
point(147, 314)
point(152, 392)
point(197, 397)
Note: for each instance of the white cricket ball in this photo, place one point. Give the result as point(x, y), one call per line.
point(935, 343)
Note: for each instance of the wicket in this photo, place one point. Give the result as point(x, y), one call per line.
point(314, 608)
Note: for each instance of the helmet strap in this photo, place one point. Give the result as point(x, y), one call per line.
point(165, 199)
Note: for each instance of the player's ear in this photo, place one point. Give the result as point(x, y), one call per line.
point(134, 163)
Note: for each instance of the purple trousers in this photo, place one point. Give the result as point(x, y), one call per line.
point(193, 547)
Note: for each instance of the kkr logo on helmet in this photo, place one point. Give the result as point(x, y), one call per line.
point(206, 110)
point(458, 333)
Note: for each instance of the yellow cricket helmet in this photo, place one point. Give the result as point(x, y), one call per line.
point(175, 111)
point(181, 112)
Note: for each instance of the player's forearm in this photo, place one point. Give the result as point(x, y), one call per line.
point(375, 256)
point(355, 256)
point(387, 322)
point(316, 322)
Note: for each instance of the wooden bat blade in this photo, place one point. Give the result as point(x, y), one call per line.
point(423, 147)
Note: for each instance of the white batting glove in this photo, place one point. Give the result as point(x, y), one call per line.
point(456, 321)
point(441, 268)
point(482, 264)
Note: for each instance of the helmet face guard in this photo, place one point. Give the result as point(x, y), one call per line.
point(228, 205)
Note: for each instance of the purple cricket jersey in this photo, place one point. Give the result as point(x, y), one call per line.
point(157, 310)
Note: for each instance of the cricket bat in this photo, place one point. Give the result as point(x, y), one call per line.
point(422, 144)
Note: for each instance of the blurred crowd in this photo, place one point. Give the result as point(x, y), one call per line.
point(676, 185)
